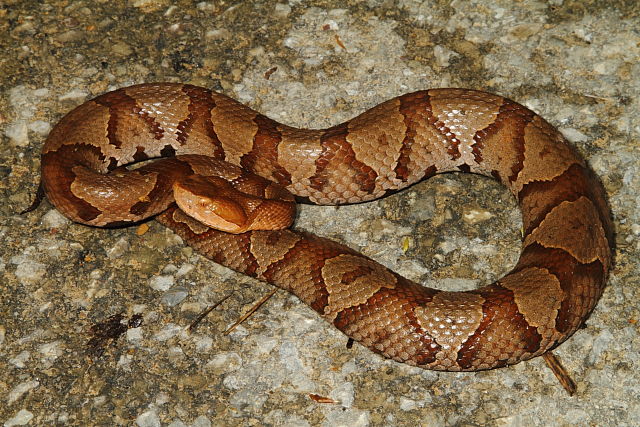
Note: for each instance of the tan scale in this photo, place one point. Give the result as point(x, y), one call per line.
point(267, 249)
point(463, 118)
point(378, 146)
point(429, 148)
point(538, 295)
point(450, 319)
point(369, 278)
point(234, 127)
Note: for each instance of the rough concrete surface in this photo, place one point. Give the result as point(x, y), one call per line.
point(305, 64)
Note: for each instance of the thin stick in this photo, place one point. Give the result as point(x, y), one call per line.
point(251, 311)
point(204, 314)
point(560, 372)
point(36, 201)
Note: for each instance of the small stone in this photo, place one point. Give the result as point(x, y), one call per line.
point(161, 283)
point(17, 133)
point(574, 135)
point(347, 417)
point(75, 95)
point(21, 389)
point(175, 296)
point(162, 398)
point(118, 249)
point(22, 418)
point(148, 5)
point(201, 421)
point(169, 331)
point(148, 419)
point(134, 335)
point(184, 270)
point(29, 271)
point(442, 55)
point(407, 404)
point(54, 219)
point(69, 36)
point(170, 269)
point(474, 216)
point(20, 359)
point(51, 350)
point(343, 393)
point(218, 34)
point(40, 127)
point(122, 49)
point(282, 10)
point(225, 362)
point(203, 343)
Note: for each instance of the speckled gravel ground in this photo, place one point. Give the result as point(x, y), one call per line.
point(574, 62)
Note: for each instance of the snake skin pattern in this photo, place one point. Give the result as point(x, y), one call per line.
point(568, 235)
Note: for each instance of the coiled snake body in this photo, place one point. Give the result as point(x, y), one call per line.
point(553, 288)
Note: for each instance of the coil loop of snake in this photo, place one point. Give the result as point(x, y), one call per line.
point(236, 172)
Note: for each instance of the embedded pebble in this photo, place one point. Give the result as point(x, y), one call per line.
point(20, 389)
point(148, 419)
point(54, 219)
point(201, 421)
point(574, 135)
point(134, 335)
point(175, 296)
point(282, 10)
point(20, 359)
point(600, 344)
point(184, 270)
point(407, 404)
point(443, 55)
point(30, 271)
point(23, 417)
point(161, 283)
point(474, 216)
point(343, 393)
point(74, 95)
point(17, 133)
point(119, 249)
point(51, 351)
point(225, 362)
point(168, 332)
point(346, 418)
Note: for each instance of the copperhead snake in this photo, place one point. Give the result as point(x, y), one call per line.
point(568, 234)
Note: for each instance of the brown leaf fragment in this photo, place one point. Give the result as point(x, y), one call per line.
point(321, 399)
point(108, 332)
point(270, 71)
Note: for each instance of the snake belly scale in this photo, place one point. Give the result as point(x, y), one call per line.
point(568, 234)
